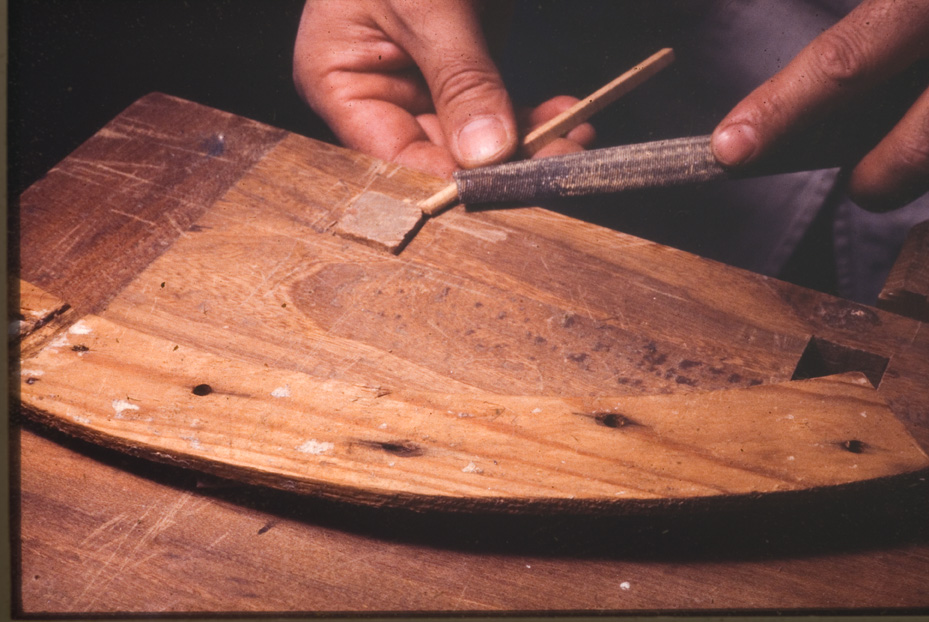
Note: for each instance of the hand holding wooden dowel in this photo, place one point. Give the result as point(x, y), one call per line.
point(569, 119)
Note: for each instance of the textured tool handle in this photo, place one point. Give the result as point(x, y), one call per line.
point(601, 171)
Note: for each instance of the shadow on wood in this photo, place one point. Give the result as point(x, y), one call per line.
point(869, 515)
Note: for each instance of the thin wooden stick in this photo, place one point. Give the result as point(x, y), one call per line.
point(606, 95)
point(569, 119)
point(440, 200)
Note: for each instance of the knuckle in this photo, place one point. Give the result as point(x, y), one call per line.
point(463, 81)
point(841, 57)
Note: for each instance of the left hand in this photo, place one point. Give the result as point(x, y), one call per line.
point(877, 40)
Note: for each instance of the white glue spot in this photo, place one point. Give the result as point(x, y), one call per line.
point(281, 391)
point(536, 411)
point(121, 406)
point(61, 342)
point(472, 468)
point(315, 447)
point(80, 419)
point(863, 414)
point(80, 328)
point(193, 440)
point(625, 585)
point(31, 372)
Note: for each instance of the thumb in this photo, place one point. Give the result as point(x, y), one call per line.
point(470, 99)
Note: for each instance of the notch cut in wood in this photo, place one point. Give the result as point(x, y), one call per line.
point(822, 357)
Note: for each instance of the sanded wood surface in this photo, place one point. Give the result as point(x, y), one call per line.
point(521, 303)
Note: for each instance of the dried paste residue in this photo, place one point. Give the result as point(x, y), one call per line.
point(315, 447)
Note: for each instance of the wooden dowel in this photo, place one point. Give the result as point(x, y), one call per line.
point(569, 119)
point(440, 200)
point(606, 95)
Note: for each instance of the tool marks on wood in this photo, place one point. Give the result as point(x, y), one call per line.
point(485, 336)
point(138, 189)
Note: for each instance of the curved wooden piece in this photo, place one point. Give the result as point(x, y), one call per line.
point(383, 445)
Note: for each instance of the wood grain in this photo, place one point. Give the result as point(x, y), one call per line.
point(102, 533)
point(907, 288)
point(129, 192)
point(388, 446)
point(522, 302)
point(40, 318)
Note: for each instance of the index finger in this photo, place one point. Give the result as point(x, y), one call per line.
point(876, 40)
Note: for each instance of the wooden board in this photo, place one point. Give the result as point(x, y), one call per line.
point(369, 444)
point(246, 271)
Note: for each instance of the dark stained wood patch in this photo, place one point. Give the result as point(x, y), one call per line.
point(129, 192)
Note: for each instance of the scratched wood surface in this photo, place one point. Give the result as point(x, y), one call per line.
point(520, 302)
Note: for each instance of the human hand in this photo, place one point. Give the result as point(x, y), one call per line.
point(412, 81)
point(876, 41)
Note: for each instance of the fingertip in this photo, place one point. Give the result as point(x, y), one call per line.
point(549, 109)
point(484, 140)
point(559, 146)
point(584, 135)
point(427, 157)
point(735, 144)
point(878, 197)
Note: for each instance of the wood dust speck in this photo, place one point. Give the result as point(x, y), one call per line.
point(472, 468)
point(80, 328)
point(315, 447)
point(121, 406)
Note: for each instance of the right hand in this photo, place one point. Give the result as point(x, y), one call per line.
point(412, 81)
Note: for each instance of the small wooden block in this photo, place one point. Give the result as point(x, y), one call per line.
point(906, 291)
point(380, 221)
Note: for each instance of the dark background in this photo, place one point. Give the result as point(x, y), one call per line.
point(76, 64)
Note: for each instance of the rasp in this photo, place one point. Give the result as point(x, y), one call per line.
point(600, 171)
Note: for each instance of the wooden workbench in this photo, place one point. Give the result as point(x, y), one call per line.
point(543, 305)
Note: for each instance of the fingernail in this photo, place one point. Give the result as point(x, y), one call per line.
point(735, 145)
point(481, 140)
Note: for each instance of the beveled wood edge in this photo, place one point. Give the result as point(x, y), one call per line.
point(906, 291)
